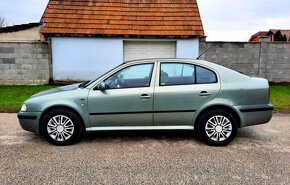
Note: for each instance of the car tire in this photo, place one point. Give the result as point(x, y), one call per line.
point(217, 127)
point(61, 127)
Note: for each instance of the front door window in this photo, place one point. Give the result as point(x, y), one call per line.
point(131, 77)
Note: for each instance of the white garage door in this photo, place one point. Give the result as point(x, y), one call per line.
point(146, 49)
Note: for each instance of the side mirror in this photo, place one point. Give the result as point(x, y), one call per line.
point(102, 86)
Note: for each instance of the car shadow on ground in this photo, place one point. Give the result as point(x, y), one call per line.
point(142, 135)
point(161, 135)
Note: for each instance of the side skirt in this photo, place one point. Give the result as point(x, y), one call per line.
point(186, 127)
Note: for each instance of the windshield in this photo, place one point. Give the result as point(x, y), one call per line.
point(87, 83)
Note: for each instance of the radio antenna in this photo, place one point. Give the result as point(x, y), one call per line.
point(202, 53)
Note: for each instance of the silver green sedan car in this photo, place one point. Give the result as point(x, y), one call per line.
point(152, 94)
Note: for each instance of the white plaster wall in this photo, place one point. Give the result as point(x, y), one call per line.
point(187, 48)
point(87, 58)
point(84, 58)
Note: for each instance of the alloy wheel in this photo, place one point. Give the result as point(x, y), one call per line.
point(218, 128)
point(60, 128)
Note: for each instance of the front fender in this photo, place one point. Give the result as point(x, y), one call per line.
point(76, 100)
point(79, 107)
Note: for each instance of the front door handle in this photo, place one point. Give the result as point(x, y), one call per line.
point(145, 96)
point(204, 93)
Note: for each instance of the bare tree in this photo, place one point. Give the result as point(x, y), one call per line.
point(3, 21)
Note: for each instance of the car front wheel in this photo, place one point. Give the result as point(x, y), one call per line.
point(61, 127)
point(217, 127)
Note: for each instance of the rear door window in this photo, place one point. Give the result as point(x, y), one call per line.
point(177, 74)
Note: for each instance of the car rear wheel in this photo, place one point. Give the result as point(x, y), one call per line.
point(217, 127)
point(61, 127)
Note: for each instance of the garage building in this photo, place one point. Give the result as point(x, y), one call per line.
point(89, 37)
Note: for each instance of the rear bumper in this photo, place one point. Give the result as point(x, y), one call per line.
point(254, 115)
point(29, 121)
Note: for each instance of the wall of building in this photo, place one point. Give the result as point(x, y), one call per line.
point(24, 63)
point(269, 60)
point(27, 35)
point(187, 48)
point(79, 59)
point(84, 58)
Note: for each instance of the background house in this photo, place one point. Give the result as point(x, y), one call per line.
point(24, 56)
point(20, 33)
point(257, 36)
point(90, 37)
point(279, 35)
point(272, 35)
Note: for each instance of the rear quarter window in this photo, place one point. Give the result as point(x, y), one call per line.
point(205, 76)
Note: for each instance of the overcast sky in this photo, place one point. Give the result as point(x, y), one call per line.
point(223, 20)
point(237, 20)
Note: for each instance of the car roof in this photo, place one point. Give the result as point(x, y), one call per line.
point(197, 61)
point(161, 59)
point(216, 67)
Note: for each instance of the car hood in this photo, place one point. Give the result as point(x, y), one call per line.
point(57, 90)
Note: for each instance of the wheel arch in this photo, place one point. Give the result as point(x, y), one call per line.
point(60, 107)
point(219, 107)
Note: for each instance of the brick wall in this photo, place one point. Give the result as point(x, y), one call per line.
point(24, 63)
point(264, 59)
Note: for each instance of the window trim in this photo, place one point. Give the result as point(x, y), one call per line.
point(195, 76)
point(150, 79)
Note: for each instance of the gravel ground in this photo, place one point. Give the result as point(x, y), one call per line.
point(259, 155)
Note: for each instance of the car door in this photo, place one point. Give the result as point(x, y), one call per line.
point(127, 99)
point(181, 89)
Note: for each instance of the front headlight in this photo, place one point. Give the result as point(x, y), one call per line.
point(23, 108)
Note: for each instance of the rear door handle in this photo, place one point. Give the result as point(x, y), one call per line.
point(204, 93)
point(145, 96)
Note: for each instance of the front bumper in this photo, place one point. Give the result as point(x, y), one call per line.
point(254, 115)
point(29, 121)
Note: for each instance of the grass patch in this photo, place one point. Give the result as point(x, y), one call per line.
point(280, 98)
point(12, 97)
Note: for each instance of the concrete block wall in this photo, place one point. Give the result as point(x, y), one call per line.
point(29, 63)
point(265, 59)
point(24, 63)
point(277, 67)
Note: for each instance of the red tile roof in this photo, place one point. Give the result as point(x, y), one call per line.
point(256, 37)
point(129, 18)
